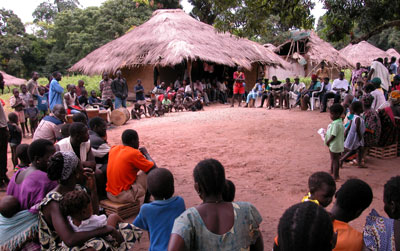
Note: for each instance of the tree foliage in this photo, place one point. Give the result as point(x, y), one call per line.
point(370, 17)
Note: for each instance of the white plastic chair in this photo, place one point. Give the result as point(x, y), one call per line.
point(315, 96)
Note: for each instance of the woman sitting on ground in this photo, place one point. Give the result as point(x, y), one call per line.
point(28, 186)
point(216, 224)
point(54, 227)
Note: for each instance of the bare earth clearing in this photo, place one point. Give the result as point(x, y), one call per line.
point(268, 154)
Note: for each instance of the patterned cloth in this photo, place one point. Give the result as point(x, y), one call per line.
point(390, 127)
point(245, 230)
point(49, 240)
point(372, 128)
point(379, 233)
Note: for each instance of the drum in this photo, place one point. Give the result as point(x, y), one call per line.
point(91, 113)
point(69, 118)
point(120, 116)
point(104, 115)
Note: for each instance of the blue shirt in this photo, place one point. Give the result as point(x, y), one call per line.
point(55, 94)
point(139, 95)
point(158, 218)
point(43, 104)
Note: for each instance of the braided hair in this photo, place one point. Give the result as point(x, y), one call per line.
point(391, 190)
point(305, 226)
point(210, 175)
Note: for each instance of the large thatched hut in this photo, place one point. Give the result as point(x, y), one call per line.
point(172, 44)
point(305, 51)
point(362, 52)
point(10, 80)
point(393, 53)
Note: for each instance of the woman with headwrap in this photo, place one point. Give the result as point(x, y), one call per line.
point(390, 121)
point(372, 123)
point(54, 227)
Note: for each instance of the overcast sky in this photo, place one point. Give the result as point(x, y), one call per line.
point(24, 8)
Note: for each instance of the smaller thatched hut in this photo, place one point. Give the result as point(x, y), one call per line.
point(305, 51)
point(172, 44)
point(10, 80)
point(362, 52)
point(393, 53)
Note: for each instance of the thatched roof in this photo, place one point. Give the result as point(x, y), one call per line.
point(315, 49)
point(362, 52)
point(270, 47)
point(11, 80)
point(170, 37)
point(393, 53)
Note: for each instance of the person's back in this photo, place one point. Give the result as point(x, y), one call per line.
point(380, 71)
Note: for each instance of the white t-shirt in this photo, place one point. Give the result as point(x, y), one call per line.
point(339, 84)
point(380, 71)
point(94, 222)
point(379, 99)
point(298, 87)
point(188, 89)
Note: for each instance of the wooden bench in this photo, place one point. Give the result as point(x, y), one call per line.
point(124, 210)
point(386, 152)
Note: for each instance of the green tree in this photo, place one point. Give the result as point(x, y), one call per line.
point(371, 17)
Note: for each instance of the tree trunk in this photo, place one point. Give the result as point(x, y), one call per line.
point(376, 31)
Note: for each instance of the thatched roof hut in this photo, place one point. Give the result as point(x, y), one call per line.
point(362, 52)
point(305, 51)
point(270, 47)
point(10, 80)
point(170, 38)
point(393, 53)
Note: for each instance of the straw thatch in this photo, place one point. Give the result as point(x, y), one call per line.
point(362, 52)
point(270, 47)
point(169, 38)
point(315, 50)
point(11, 80)
point(393, 53)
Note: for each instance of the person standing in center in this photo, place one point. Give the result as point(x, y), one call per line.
point(238, 87)
point(120, 90)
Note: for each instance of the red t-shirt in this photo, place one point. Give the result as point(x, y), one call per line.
point(124, 162)
point(236, 75)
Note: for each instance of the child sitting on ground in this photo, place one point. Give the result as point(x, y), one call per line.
point(15, 136)
point(32, 113)
point(321, 187)
point(136, 112)
point(167, 104)
point(178, 105)
point(354, 142)
point(334, 138)
point(80, 117)
point(228, 194)
point(353, 197)
point(9, 206)
point(188, 104)
point(158, 216)
point(76, 205)
point(22, 155)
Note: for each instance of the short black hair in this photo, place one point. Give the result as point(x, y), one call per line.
point(354, 195)
point(391, 190)
point(55, 74)
point(65, 130)
point(79, 117)
point(369, 88)
point(228, 194)
point(76, 128)
point(38, 148)
point(96, 121)
point(160, 183)
point(336, 109)
point(22, 153)
point(380, 60)
point(316, 180)
point(74, 202)
point(305, 226)
point(12, 116)
point(129, 135)
point(357, 106)
point(210, 175)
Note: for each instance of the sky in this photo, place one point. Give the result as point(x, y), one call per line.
point(24, 8)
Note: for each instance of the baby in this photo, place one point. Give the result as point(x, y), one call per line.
point(322, 188)
point(76, 205)
point(9, 206)
point(228, 194)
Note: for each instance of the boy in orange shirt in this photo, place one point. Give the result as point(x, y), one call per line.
point(353, 197)
point(124, 184)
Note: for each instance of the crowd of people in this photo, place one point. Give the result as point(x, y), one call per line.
point(52, 200)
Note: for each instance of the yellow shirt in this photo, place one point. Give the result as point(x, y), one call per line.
point(307, 198)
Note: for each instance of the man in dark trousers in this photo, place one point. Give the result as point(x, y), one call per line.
point(120, 90)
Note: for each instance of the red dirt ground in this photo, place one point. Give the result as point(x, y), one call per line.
point(268, 154)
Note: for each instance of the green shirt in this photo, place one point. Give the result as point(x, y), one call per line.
point(336, 129)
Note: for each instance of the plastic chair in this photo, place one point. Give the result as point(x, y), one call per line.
point(314, 97)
